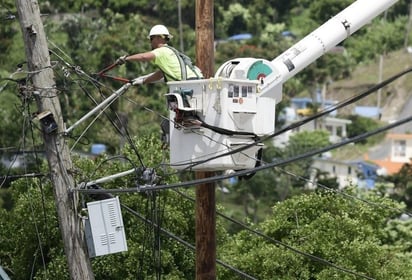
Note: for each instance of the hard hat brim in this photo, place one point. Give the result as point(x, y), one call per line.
point(168, 36)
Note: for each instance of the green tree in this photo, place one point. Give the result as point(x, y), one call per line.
point(323, 10)
point(344, 231)
point(257, 191)
point(12, 117)
point(402, 190)
point(360, 125)
point(377, 38)
point(31, 242)
point(91, 34)
point(299, 144)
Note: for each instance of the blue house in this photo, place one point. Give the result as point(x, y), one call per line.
point(367, 173)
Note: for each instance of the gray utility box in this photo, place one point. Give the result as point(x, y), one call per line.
point(104, 228)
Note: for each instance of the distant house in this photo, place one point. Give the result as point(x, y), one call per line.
point(358, 173)
point(240, 37)
point(400, 152)
point(367, 111)
point(304, 104)
point(335, 126)
point(288, 34)
point(300, 103)
point(21, 159)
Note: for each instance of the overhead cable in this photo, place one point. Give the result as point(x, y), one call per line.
point(322, 113)
point(212, 179)
point(279, 243)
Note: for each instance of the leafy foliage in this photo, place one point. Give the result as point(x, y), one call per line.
point(322, 225)
point(377, 38)
point(402, 190)
point(299, 144)
point(92, 34)
point(11, 115)
point(362, 125)
point(266, 187)
point(89, 35)
point(33, 222)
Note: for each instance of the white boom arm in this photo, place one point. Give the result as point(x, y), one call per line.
point(321, 40)
point(242, 96)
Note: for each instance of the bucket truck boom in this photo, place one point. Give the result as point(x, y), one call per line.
point(212, 117)
point(323, 39)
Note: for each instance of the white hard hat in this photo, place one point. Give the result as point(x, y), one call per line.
point(159, 30)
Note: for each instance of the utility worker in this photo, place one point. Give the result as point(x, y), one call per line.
point(173, 65)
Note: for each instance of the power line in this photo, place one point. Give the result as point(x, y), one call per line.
point(315, 258)
point(279, 243)
point(35, 223)
point(322, 113)
point(125, 131)
point(299, 123)
point(183, 242)
point(323, 186)
point(355, 139)
point(27, 175)
point(144, 188)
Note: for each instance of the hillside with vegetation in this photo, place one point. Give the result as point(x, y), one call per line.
point(269, 226)
point(367, 74)
point(91, 35)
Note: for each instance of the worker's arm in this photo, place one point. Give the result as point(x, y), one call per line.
point(146, 56)
point(154, 77)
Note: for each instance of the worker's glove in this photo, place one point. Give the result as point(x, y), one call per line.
point(138, 81)
point(121, 60)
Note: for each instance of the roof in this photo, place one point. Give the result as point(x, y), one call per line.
point(349, 162)
point(399, 136)
point(366, 164)
point(288, 33)
point(390, 166)
point(243, 36)
point(331, 120)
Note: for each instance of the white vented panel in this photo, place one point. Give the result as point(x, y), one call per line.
point(106, 227)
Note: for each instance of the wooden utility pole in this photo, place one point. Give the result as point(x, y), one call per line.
point(205, 193)
point(205, 57)
point(57, 152)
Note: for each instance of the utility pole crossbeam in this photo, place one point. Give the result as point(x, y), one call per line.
point(57, 151)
